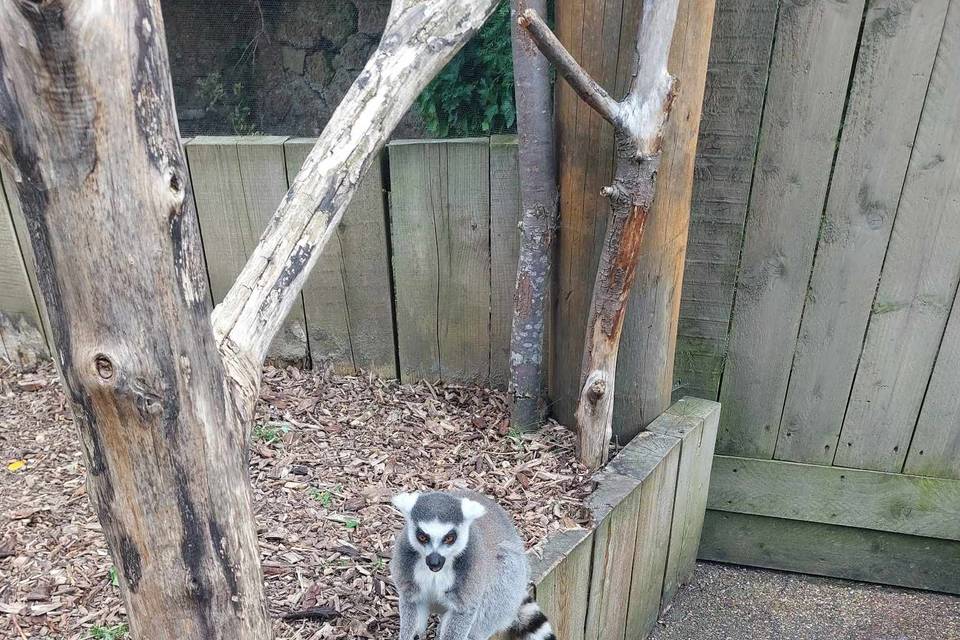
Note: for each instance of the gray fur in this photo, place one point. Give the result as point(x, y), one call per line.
point(481, 587)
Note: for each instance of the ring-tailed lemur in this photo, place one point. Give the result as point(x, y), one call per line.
point(459, 555)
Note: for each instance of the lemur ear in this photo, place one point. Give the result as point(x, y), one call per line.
point(472, 509)
point(404, 502)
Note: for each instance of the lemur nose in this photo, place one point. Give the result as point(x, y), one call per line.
point(435, 561)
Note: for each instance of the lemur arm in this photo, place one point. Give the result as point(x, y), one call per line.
point(413, 619)
point(456, 624)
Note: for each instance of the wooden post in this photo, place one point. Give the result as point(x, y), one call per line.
point(603, 42)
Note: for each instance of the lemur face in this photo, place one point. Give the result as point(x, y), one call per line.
point(437, 524)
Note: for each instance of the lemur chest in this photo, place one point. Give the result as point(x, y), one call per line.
point(434, 585)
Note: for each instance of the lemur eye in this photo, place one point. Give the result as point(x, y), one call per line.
point(450, 538)
point(422, 538)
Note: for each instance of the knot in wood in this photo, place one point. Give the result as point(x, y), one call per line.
point(597, 389)
point(104, 366)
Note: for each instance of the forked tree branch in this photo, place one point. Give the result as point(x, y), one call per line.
point(638, 127)
point(420, 37)
point(566, 65)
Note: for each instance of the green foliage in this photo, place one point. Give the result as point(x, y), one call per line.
point(473, 95)
point(228, 103)
point(116, 632)
point(351, 523)
point(114, 576)
point(325, 496)
point(270, 432)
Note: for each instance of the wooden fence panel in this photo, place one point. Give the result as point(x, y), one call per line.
point(504, 251)
point(440, 227)
point(237, 184)
point(933, 189)
point(811, 65)
point(917, 288)
point(347, 297)
point(736, 79)
point(895, 61)
point(324, 294)
point(17, 302)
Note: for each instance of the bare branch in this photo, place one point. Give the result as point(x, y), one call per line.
point(575, 75)
point(419, 39)
point(647, 106)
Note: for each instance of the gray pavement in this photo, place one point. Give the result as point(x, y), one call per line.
point(727, 602)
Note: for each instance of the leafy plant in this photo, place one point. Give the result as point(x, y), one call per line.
point(270, 432)
point(229, 103)
point(473, 95)
point(325, 496)
point(114, 576)
point(116, 632)
point(351, 524)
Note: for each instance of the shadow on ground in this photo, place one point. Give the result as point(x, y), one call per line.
point(727, 602)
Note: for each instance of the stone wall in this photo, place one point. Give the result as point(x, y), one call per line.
point(269, 66)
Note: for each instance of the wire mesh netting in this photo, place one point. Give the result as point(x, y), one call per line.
point(245, 67)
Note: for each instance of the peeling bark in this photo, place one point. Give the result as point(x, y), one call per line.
point(162, 402)
point(638, 122)
point(538, 200)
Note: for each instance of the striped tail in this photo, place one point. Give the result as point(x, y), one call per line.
point(531, 624)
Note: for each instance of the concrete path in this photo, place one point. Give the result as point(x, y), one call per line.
point(728, 602)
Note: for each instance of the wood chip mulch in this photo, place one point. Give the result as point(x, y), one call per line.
point(328, 451)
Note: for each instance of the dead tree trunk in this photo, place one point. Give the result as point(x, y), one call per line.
point(638, 123)
point(538, 200)
point(163, 403)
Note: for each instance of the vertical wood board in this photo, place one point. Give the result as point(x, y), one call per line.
point(655, 520)
point(614, 545)
point(694, 422)
point(646, 357)
point(811, 65)
point(463, 245)
point(504, 252)
point(263, 174)
point(324, 295)
point(917, 288)
point(894, 63)
point(733, 103)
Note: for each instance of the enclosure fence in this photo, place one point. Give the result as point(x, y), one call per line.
point(820, 287)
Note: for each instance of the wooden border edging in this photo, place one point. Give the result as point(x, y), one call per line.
point(611, 582)
point(875, 500)
point(831, 550)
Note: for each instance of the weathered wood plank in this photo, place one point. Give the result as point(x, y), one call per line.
point(829, 550)
point(463, 246)
point(934, 184)
point(504, 248)
point(8, 190)
point(653, 542)
point(811, 65)
point(935, 450)
point(897, 503)
point(594, 34)
point(263, 175)
point(917, 288)
point(733, 104)
point(417, 188)
point(647, 353)
point(889, 85)
point(614, 544)
point(563, 593)
point(16, 295)
point(694, 422)
point(441, 234)
point(366, 275)
point(324, 295)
